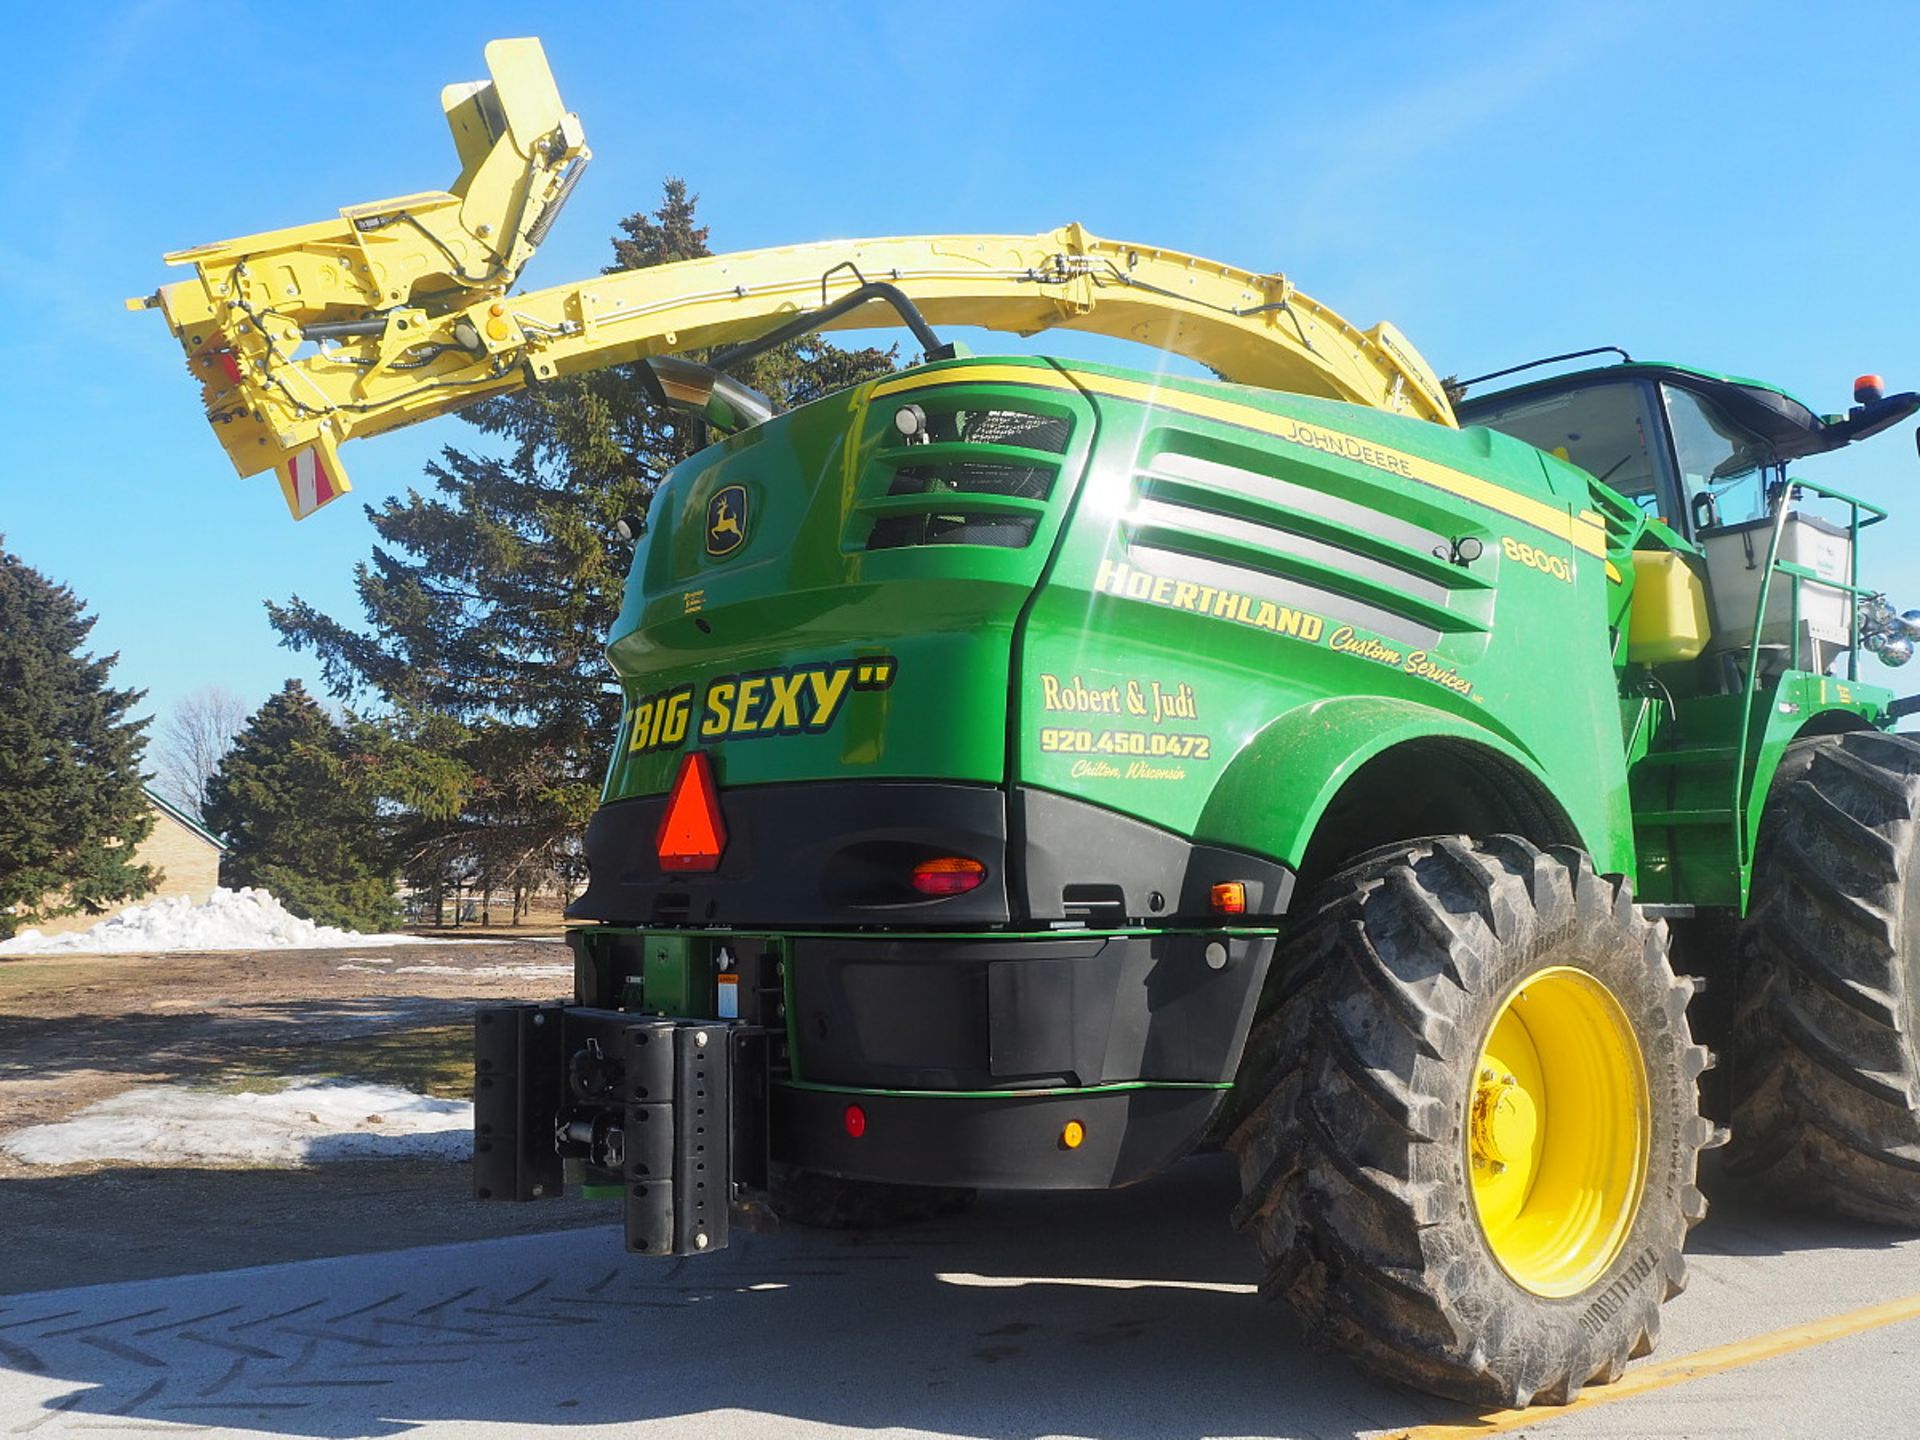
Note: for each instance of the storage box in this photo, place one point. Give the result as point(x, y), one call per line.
point(1736, 563)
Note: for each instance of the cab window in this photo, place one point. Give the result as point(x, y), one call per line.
point(1721, 464)
point(1604, 429)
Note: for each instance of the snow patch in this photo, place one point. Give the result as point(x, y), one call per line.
point(487, 972)
point(307, 1122)
point(369, 963)
point(226, 920)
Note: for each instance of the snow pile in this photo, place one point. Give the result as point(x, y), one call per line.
point(310, 1121)
point(225, 920)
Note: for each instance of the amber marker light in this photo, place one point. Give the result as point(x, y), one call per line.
point(1073, 1134)
point(1868, 389)
point(1229, 898)
point(948, 875)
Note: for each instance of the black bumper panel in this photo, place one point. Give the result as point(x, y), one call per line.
point(804, 855)
point(1013, 1142)
point(916, 1013)
point(839, 853)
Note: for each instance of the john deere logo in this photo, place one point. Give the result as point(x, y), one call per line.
point(727, 520)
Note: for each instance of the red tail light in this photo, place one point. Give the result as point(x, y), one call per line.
point(948, 875)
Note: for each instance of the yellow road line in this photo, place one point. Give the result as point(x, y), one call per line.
point(1678, 1371)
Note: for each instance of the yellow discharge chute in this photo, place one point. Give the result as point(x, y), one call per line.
point(402, 310)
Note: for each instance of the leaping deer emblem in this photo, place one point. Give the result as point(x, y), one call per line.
point(726, 518)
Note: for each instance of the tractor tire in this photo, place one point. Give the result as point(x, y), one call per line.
point(827, 1202)
point(1420, 1191)
point(1825, 1046)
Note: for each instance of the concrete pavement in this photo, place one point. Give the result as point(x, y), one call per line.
point(1126, 1315)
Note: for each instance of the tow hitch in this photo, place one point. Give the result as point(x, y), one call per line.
point(674, 1111)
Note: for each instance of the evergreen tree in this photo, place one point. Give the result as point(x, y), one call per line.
point(71, 805)
point(488, 599)
point(297, 818)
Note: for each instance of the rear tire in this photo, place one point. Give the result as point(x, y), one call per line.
point(827, 1202)
point(1366, 1161)
point(1826, 1037)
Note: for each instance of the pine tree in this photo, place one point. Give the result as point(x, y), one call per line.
point(297, 819)
point(71, 804)
point(489, 598)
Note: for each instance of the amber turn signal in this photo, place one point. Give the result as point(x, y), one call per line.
point(1229, 898)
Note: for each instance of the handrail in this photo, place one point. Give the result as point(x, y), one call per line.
point(1796, 576)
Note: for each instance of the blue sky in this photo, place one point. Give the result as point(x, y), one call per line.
point(1728, 185)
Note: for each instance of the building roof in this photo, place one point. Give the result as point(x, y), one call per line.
point(174, 812)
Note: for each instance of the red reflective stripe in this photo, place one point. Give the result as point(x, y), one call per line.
point(313, 482)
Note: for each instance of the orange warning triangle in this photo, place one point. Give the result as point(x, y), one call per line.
point(692, 833)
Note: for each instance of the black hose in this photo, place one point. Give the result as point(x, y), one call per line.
point(800, 325)
point(1549, 360)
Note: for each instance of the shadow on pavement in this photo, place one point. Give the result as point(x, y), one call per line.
point(1747, 1225)
point(1126, 1314)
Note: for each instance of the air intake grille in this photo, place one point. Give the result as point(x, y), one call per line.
point(983, 478)
point(895, 531)
point(1016, 427)
point(963, 477)
point(975, 477)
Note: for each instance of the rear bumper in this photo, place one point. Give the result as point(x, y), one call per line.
point(836, 853)
point(940, 1013)
point(966, 1059)
point(1006, 1142)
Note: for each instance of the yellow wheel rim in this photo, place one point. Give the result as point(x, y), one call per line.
point(1556, 1132)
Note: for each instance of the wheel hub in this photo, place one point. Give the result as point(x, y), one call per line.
point(1506, 1121)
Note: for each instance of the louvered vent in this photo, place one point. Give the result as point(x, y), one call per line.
point(1016, 427)
point(986, 487)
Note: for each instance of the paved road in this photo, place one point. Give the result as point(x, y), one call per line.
point(1116, 1315)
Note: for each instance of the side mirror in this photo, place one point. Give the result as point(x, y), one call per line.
point(722, 401)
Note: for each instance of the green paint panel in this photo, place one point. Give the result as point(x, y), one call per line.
point(1198, 652)
point(1202, 605)
point(806, 592)
point(675, 981)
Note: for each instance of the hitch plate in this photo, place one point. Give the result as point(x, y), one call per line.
point(679, 1106)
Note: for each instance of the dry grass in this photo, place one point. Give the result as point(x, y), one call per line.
point(432, 1060)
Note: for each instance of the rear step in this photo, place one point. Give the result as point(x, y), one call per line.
point(1698, 755)
point(1650, 819)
